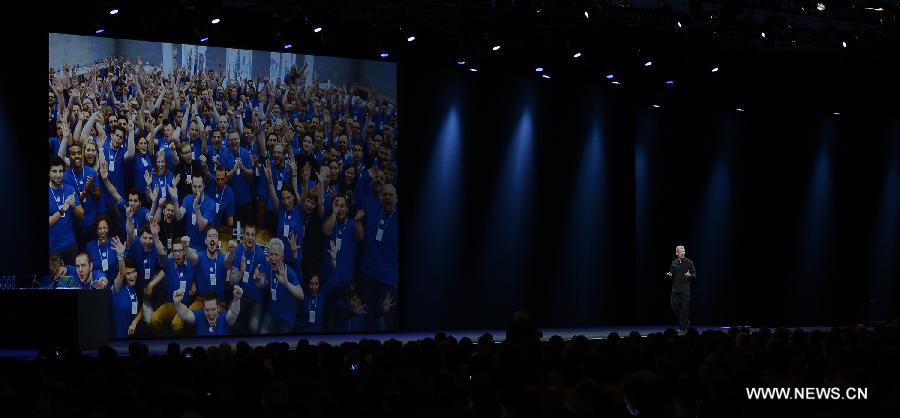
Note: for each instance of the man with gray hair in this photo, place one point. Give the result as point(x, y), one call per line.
point(682, 273)
point(284, 291)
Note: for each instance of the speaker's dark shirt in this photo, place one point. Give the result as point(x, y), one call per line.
point(679, 282)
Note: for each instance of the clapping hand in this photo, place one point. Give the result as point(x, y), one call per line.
point(388, 302)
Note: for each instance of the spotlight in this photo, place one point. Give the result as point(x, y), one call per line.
point(99, 30)
point(610, 76)
point(204, 39)
point(679, 24)
point(844, 44)
point(215, 20)
point(739, 109)
point(461, 62)
point(577, 55)
point(473, 69)
point(317, 29)
point(586, 15)
point(545, 76)
point(616, 83)
point(496, 48)
point(836, 113)
point(114, 11)
point(656, 106)
point(715, 69)
point(648, 63)
point(539, 69)
point(670, 82)
point(384, 55)
point(288, 46)
point(763, 34)
point(820, 6)
point(410, 39)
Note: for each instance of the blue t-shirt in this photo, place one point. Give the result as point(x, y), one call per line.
point(254, 257)
point(211, 274)
point(282, 303)
point(343, 273)
point(121, 308)
point(223, 201)
point(291, 221)
point(177, 274)
point(115, 160)
point(141, 164)
point(103, 252)
point(203, 327)
point(145, 261)
point(78, 179)
point(238, 183)
point(280, 177)
point(312, 314)
point(163, 182)
point(62, 234)
point(207, 210)
point(379, 258)
point(347, 321)
point(225, 159)
point(141, 217)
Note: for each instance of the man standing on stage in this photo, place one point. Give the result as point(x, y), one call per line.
point(682, 273)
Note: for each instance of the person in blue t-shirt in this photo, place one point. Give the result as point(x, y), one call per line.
point(312, 313)
point(289, 215)
point(125, 298)
point(247, 258)
point(145, 257)
point(208, 321)
point(210, 267)
point(143, 164)
point(135, 216)
point(284, 291)
point(351, 311)
point(116, 155)
point(88, 278)
point(178, 274)
point(83, 179)
point(64, 204)
point(202, 212)
point(240, 179)
point(343, 233)
point(223, 197)
point(100, 249)
point(379, 263)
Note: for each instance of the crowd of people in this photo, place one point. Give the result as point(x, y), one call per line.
point(205, 203)
point(660, 375)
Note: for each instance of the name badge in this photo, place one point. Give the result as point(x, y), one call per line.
point(189, 178)
point(286, 230)
point(246, 276)
point(133, 306)
point(279, 185)
point(274, 292)
point(379, 234)
point(193, 219)
point(144, 161)
point(105, 264)
point(217, 207)
point(212, 279)
point(162, 189)
point(182, 285)
point(337, 244)
point(146, 274)
point(169, 243)
point(312, 317)
point(112, 165)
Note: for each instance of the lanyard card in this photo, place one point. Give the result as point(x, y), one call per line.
point(379, 234)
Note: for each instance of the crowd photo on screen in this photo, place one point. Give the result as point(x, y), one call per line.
point(217, 191)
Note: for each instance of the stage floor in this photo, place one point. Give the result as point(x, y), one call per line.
point(159, 346)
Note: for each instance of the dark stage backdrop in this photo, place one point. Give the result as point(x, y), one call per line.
point(566, 199)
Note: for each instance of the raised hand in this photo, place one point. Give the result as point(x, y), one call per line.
point(333, 251)
point(256, 274)
point(360, 214)
point(177, 296)
point(292, 239)
point(118, 246)
point(128, 212)
point(153, 193)
point(154, 227)
point(388, 302)
point(176, 180)
point(238, 292)
point(104, 170)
